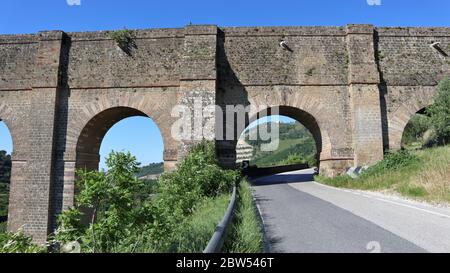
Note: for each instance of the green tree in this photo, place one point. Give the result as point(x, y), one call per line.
point(5, 167)
point(439, 113)
point(109, 197)
point(124, 220)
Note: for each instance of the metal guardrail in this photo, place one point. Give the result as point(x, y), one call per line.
point(218, 238)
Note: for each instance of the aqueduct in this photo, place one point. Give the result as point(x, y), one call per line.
point(354, 87)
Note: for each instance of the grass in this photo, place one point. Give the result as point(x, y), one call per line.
point(426, 178)
point(246, 234)
point(191, 236)
point(195, 232)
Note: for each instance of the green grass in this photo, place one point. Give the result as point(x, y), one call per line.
point(424, 176)
point(195, 232)
point(246, 234)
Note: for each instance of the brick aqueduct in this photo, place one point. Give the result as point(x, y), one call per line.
point(354, 87)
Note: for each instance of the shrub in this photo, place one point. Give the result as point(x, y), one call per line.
point(124, 40)
point(415, 129)
point(439, 113)
point(392, 161)
point(197, 177)
point(126, 221)
point(18, 243)
point(115, 213)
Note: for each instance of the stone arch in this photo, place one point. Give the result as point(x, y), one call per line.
point(121, 105)
point(88, 125)
point(6, 115)
point(300, 106)
point(402, 115)
point(320, 136)
point(18, 169)
point(91, 137)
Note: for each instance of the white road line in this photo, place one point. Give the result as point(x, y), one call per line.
point(387, 201)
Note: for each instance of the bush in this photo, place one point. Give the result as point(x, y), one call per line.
point(415, 130)
point(115, 213)
point(126, 221)
point(439, 113)
point(197, 177)
point(392, 161)
point(18, 243)
point(124, 40)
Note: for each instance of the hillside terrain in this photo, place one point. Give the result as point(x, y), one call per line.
point(150, 170)
point(296, 145)
point(419, 174)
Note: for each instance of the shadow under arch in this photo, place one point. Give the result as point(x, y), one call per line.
point(303, 117)
point(93, 133)
point(422, 112)
point(400, 120)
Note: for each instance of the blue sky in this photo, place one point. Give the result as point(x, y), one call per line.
point(25, 16)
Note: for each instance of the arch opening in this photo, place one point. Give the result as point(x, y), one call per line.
point(119, 129)
point(417, 132)
point(299, 139)
point(122, 129)
point(6, 149)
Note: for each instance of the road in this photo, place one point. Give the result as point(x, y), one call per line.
point(303, 216)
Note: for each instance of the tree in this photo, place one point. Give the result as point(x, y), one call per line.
point(439, 113)
point(110, 198)
point(5, 167)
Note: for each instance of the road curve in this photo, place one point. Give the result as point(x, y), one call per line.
point(303, 216)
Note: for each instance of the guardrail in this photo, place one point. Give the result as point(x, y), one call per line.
point(218, 238)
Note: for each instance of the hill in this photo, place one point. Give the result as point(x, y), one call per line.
point(151, 169)
point(296, 145)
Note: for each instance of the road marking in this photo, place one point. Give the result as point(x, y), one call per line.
point(387, 201)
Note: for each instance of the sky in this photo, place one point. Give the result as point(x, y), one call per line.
point(25, 16)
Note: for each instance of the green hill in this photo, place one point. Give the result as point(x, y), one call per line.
point(296, 146)
point(153, 168)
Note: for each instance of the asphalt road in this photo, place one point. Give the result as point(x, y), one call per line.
point(303, 216)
